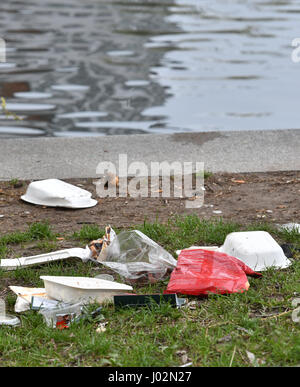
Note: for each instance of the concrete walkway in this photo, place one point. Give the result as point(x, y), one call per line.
point(62, 158)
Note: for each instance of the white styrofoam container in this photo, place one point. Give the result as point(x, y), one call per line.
point(290, 227)
point(257, 249)
point(57, 193)
point(82, 289)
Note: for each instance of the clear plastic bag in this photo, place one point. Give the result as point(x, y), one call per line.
point(138, 259)
point(61, 316)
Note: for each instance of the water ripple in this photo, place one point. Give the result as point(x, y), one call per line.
point(183, 65)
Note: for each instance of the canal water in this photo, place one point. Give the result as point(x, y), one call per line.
point(103, 67)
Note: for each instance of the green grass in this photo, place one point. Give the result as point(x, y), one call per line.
point(88, 233)
point(157, 336)
point(36, 231)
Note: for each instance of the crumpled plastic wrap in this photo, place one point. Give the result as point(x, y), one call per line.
point(61, 316)
point(137, 258)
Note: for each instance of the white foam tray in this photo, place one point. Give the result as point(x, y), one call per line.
point(82, 289)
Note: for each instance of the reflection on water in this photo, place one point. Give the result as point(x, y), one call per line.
point(32, 95)
point(100, 67)
point(21, 107)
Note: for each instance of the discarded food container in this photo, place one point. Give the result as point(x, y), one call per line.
point(82, 289)
point(57, 193)
point(290, 227)
point(7, 319)
point(257, 249)
point(137, 258)
point(200, 272)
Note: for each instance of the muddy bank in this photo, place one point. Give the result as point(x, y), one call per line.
point(245, 198)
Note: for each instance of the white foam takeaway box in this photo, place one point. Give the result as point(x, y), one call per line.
point(57, 193)
point(257, 249)
point(82, 289)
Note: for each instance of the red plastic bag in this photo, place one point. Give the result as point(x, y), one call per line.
point(203, 271)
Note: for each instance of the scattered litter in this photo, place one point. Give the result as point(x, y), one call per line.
point(183, 355)
point(101, 327)
point(25, 295)
point(14, 263)
point(98, 247)
point(82, 289)
point(290, 227)
point(57, 193)
point(253, 360)
point(95, 251)
point(238, 181)
point(137, 258)
point(187, 365)
point(135, 300)
point(85, 314)
point(257, 249)
point(61, 317)
point(38, 303)
point(251, 357)
point(7, 319)
point(1, 216)
point(217, 212)
point(200, 272)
